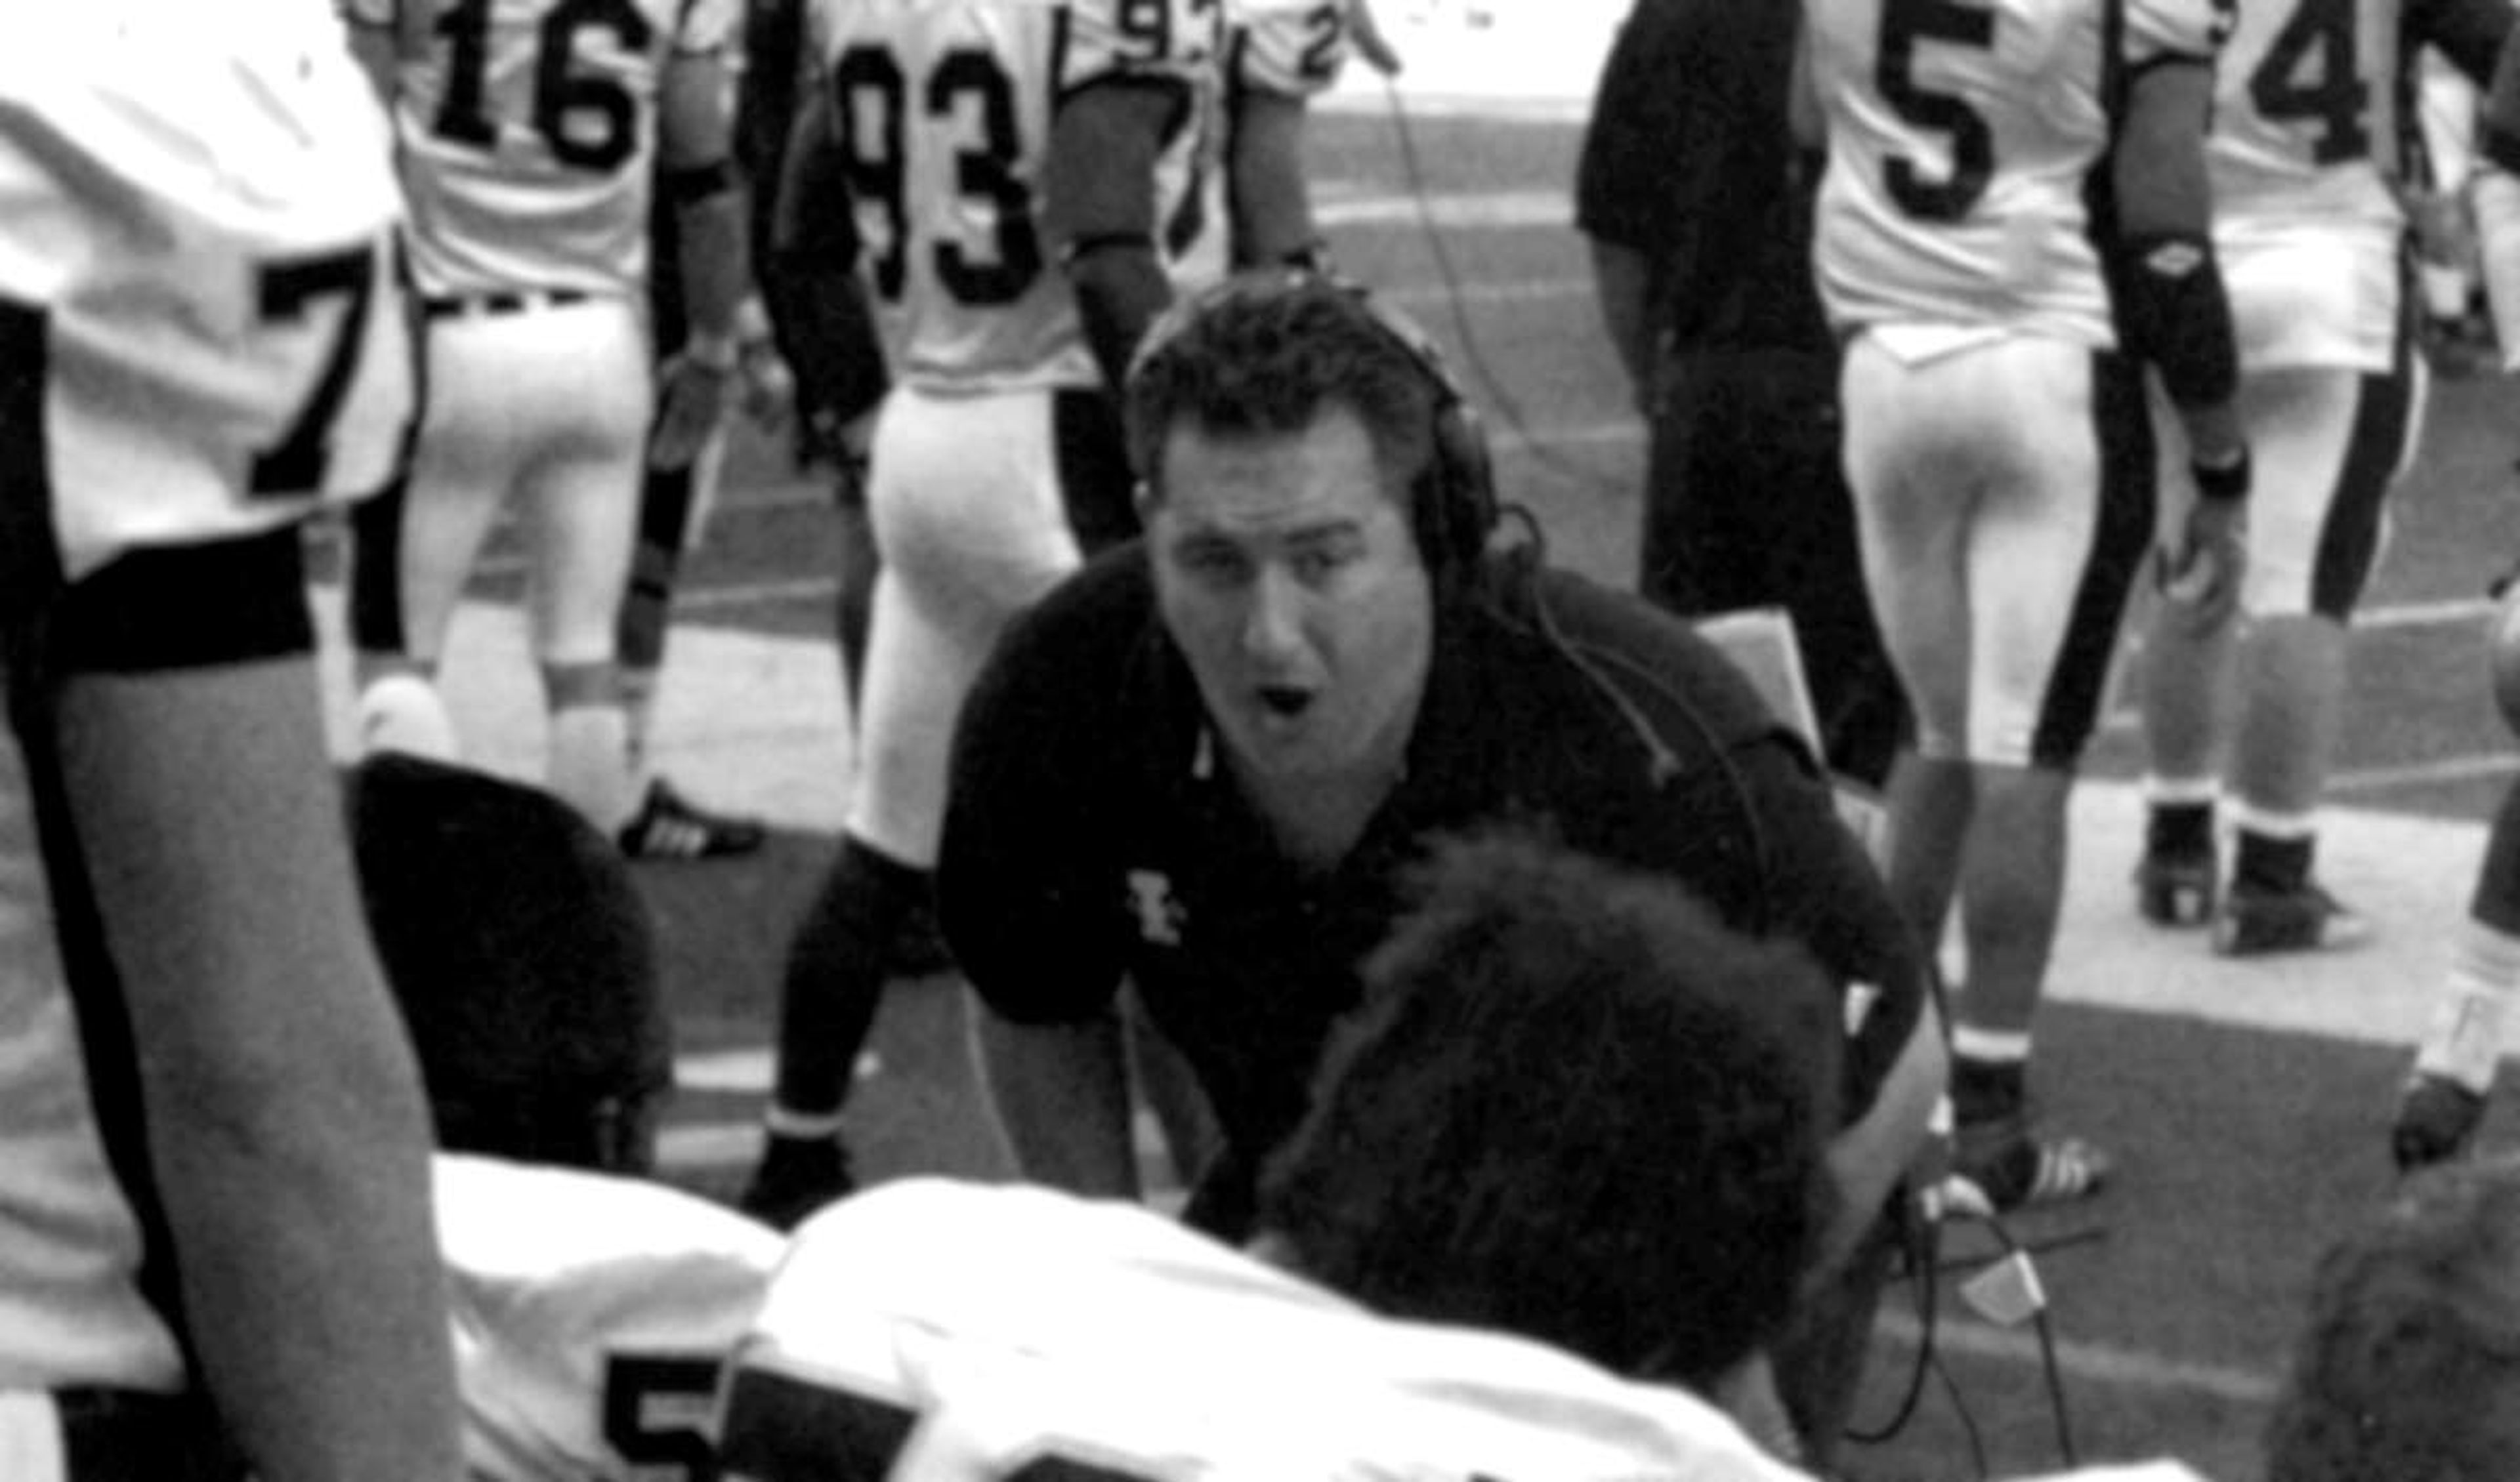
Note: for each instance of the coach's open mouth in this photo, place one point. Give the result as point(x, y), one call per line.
point(1285, 701)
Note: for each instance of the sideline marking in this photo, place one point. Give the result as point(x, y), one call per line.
point(2095, 1363)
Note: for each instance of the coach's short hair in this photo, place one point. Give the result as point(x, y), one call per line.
point(1575, 1107)
point(1267, 352)
point(2409, 1369)
point(523, 958)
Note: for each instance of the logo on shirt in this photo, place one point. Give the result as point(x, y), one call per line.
point(1160, 918)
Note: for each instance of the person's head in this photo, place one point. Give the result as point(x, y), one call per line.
point(2409, 1369)
point(1311, 481)
point(1572, 1105)
point(521, 954)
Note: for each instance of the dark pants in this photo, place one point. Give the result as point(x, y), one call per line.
point(1747, 506)
point(112, 1435)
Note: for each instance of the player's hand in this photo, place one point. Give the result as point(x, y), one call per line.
point(1365, 33)
point(2202, 576)
point(692, 397)
point(768, 394)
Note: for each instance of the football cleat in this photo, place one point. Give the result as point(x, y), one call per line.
point(2174, 888)
point(796, 1177)
point(2256, 921)
point(669, 826)
point(2003, 1164)
point(2437, 1119)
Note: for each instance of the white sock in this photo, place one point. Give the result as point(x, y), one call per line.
point(590, 763)
point(403, 712)
point(2464, 1038)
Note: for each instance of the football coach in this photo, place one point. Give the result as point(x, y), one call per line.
point(1205, 763)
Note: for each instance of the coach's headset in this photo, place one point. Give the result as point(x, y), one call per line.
point(1454, 509)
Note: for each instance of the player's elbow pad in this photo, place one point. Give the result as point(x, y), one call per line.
point(2172, 312)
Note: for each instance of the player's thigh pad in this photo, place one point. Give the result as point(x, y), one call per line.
point(972, 529)
point(2000, 525)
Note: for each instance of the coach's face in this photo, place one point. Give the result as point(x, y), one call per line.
point(1288, 574)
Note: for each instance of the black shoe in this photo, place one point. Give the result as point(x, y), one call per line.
point(2174, 888)
point(2437, 1118)
point(2258, 921)
point(669, 826)
point(796, 1177)
point(2004, 1163)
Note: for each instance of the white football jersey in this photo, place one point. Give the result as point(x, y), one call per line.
point(1289, 48)
point(1294, 46)
point(202, 334)
point(1963, 136)
point(528, 136)
point(2307, 158)
point(957, 1332)
point(198, 205)
point(943, 110)
point(592, 1316)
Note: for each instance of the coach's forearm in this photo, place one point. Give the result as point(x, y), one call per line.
point(1866, 1160)
point(1059, 1093)
point(287, 1128)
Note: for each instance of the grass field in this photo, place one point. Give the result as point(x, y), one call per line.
point(2246, 1101)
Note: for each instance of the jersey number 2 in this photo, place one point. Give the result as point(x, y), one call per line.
point(2333, 94)
point(1904, 24)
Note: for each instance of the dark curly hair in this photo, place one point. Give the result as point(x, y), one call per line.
point(523, 958)
point(2409, 1370)
point(1575, 1107)
point(1265, 352)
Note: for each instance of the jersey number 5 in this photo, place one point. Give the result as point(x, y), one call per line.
point(1904, 24)
point(870, 101)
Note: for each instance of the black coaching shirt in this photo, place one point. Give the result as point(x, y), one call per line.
point(1093, 832)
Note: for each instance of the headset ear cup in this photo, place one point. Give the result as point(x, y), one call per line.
point(1468, 479)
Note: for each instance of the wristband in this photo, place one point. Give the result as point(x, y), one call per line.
point(2227, 484)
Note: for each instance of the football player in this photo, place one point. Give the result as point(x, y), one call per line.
point(2005, 233)
point(216, 1249)
point(2444, 1100)
point(2305, 168)
point(528, 135)
point(1449, 1284)
point(590, 1307)
point(955, 129)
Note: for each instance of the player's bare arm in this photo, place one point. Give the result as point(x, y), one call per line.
point(2173, 309)
point(1099, 208)
point(292, 1163)
point(1273, 208)
point(696, 138)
